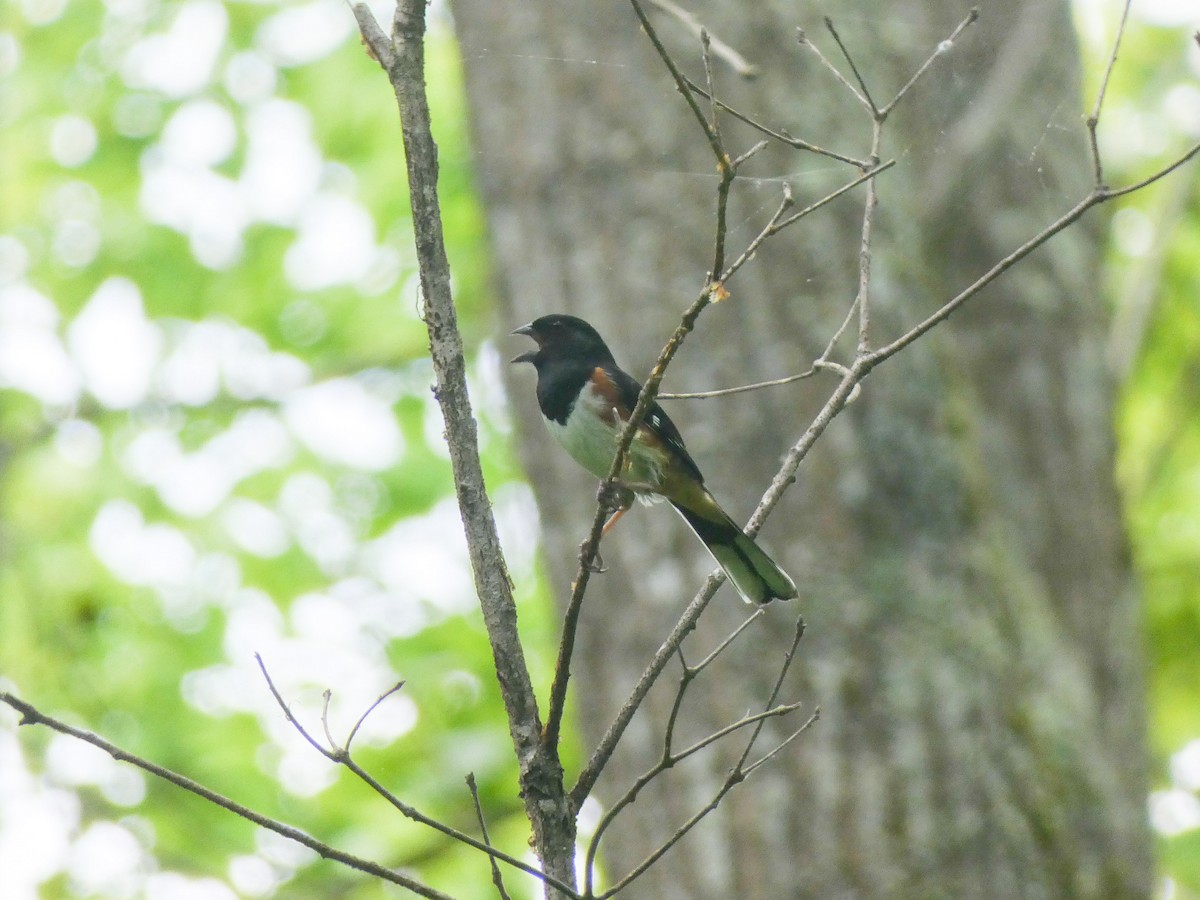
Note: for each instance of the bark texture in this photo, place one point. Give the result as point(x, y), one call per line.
point(973, 636)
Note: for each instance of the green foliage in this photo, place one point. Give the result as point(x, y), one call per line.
point(210, 158)
point(1154, 267)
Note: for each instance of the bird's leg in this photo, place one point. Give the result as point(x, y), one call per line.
point(617, 498)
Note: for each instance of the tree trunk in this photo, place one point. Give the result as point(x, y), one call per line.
point(973, 638)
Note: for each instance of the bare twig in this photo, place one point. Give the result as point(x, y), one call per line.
point(735, 60)
point(541, 778)
point(778, 222)
point(863, 299)
point(941, 49)
point(680, 81)
point(780, 135)
point(802, 39)
point(853, 68)
point(741, 388)
point(1094, 119)
point(378, 44)
point(370, 709)
point(829, 198)
point(712, 291)
point(30, 715)
point(736, 776)
point(341, 755)
point(497, 878)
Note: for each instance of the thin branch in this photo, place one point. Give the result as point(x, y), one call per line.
point(778, 222)
point(733, 636)
point(735, 60)
point(781, 136)
point(734, 778)
point(669, 757)
point(1094, 119)
point(808, 210)
point(737, 774)
point(853, 68)
point(371, 709)
point(497, 878)
point(1188, 155)
point(604, 749)
point(680, 81)
point(863, 299)
point(712, 290)
point(942, 49)
point(757, 718)
point(740, 389)
point(726, 167)
point(778, 748)
point(788, 658)
point(541, 778)
point(378, 44)
point(341, 756)
point(802, 39)
point(30, 715)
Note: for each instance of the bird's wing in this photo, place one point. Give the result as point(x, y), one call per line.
point(656, 427)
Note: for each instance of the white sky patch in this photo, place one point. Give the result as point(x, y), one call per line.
point(105, 860)
point(180, 61)
point(195, 484)
point(255, 528)
point(191, 372)
point(10, 54)
point(207, 207)
point(303, 34)
point(342, 422)
point(76, 243)
point(306, 501)
point(253, 876)
point(42, 12)
point(140, 554)
point(200, 133)
point(14, 259)
point(335, 244)
point(1182, 106)
point(36, 821)
point(115, 346)
point(173, 886)
point(1185, 766)
point(72, 140)
point(209, 354)
point(1173, 812)
point(73, 763)
point(137, 114)
point(249, 78)
point(79, 442)
point(424, 559)
point(32, 356)
point(283, 164)
point(1133, 232)
point(323, 642)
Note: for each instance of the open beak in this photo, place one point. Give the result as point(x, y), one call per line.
point(526, 330)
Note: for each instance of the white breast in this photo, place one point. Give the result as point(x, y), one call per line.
point(591, 440)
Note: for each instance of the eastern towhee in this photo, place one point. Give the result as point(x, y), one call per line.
point(586, 399)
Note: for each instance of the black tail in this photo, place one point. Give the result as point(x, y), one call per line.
point(755, 575)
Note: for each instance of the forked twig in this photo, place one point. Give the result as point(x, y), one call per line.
point(736, 776)
point(341, 756)
point(735, 60)
point(30, 715)
point(497, 878)
point(1094, 119)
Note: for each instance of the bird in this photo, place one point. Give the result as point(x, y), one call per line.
point(586, 399)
